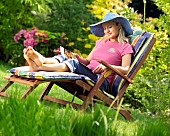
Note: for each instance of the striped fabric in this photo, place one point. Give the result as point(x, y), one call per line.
point(43, 75)
point(140, 47)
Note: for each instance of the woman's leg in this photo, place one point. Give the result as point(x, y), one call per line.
point(75, 66)
point(38, 58)
point(50, 61)
point(59, 67)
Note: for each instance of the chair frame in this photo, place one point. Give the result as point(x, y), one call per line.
point(79, 88)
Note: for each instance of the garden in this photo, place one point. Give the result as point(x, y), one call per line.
point(47, 25)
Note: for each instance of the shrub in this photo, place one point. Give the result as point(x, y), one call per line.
point(15, 15)
point(71, 17)
point(150, 91)
point(41, 40)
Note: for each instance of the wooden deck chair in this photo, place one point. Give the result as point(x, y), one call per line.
point(82, 87)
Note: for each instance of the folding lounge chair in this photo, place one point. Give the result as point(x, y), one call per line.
point(82, 87)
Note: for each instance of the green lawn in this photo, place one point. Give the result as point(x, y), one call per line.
point(30, 117)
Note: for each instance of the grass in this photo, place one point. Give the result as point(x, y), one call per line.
point(29, 117)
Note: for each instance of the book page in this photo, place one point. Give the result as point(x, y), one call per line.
point(67, 54)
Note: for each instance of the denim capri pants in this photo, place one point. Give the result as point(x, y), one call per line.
point(76, 67)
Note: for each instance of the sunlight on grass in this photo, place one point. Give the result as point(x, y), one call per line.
point(32, 117)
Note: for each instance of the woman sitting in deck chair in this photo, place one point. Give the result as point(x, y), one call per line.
point(113, 48)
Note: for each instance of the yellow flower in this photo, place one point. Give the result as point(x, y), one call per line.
point(86, 29)
point(65, 38)
point(84, 55)
point(76, 51)
point(79, 39)
point(92, 37)
point(87, 46)
point(71, 44)
point(63, 34)
point(83, 22)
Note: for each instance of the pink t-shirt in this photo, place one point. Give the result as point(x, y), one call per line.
point(110, 52)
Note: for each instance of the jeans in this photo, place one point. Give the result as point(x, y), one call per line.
point(76, 67)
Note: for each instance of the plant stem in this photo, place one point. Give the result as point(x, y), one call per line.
point(144, 11)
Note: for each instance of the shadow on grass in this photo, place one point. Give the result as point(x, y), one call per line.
point(31, 117)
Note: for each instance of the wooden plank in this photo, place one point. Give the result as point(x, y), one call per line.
point(5, 87)
point(83, 85)
point(24, 81)
point(115, 71)
point(3, 94)
point(59, 101)
point(7, 77)
point(46, 90)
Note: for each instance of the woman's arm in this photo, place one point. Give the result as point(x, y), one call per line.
point(126, 61)
point(85, 61)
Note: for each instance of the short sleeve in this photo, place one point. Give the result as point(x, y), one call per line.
point(126, 49)
point(98, 42)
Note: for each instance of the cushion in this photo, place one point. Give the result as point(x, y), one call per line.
point(137, 40)
point(44, 75)
point(137, 58)
point(140, 45)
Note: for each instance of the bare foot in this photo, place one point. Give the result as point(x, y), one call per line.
point(33, 66)
point(34, 56)
point(29, 61)
point(25, 55)
point(24, 50)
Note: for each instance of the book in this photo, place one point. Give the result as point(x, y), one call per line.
point(65, 53)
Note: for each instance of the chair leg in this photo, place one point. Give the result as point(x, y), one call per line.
point(126, 114)
point(46, 91)
point(5, 87)
point(29, 90)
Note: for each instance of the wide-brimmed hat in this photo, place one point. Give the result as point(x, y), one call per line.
point(98, 30)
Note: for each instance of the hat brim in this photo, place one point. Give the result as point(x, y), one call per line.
point(98, 30)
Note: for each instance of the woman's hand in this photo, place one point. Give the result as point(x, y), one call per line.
point(78, 57)
point(99, 69)
point(82, 60)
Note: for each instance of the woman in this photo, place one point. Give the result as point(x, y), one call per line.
point(113, 48)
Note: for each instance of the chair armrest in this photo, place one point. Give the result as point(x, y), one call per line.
point(115, 71)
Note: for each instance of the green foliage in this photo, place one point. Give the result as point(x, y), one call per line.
point(72, 18)
point(163, 21)
point(54, 40)
point(16, 15)
point(13, 15)
point(41, 40)
point(18, 117)
point(150, 90)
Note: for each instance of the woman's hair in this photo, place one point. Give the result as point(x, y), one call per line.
point(121, 37)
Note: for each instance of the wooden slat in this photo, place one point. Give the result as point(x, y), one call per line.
point(46, 90)
point(25, 81)
point(7, 77)
point(83, 85)
point(59, 101)
point(3, 94)
point(5, 87)
point(115, 71)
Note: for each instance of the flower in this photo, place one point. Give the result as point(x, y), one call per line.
point(31, 37)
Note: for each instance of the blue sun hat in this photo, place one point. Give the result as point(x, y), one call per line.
point(98, 30)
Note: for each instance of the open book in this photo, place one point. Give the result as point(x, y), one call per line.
point(66, 53)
